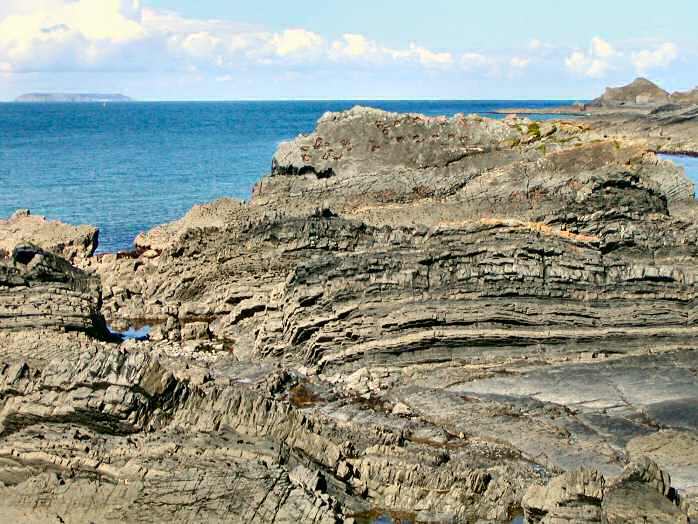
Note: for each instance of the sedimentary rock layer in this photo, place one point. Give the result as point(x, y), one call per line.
point(40, 290)
point(426, 316)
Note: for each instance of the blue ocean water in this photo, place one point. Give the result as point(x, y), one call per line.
point(129, 166)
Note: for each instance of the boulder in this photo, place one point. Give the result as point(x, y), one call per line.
point(642, 493)
point(574, 496)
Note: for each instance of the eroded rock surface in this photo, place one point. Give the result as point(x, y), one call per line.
point(70, 242)
point(641, 494)
point(426, 316)
point(640, 92)
point(40, 290)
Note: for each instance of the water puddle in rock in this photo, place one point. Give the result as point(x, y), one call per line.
point(689, 163)
point(379, 517)
point(132, 333)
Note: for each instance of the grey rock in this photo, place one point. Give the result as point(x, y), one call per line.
point(412, 314)
point(39, 290)
point(641, 92)
point(641, 494)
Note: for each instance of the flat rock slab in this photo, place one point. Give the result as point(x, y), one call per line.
point(663, 387)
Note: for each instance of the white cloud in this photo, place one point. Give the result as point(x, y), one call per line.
point(295, 42)
point(601, 48)
point(354, 45)
point(201, 44)
point(661, 57)
point(117, 35)
point(471, 61)
point(429, 58)
point(536, 44)
point(518, 62)
point(42, 36)
point(596, 62)
point(357, 47)
point(61, 35)
point(602, 57)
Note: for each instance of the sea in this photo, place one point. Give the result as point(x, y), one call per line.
point(126, 167)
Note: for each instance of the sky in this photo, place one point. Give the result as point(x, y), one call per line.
point(350, 49)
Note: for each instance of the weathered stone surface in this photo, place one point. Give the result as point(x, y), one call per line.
point(575, 496)
point(641, 494)
point(416, 315)
point(640, 113)
point(70, 242)
point(641, 92)
point(39, 290)
point(687, 97)
point(213, 215)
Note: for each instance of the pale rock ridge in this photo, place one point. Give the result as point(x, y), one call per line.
point(70, 242)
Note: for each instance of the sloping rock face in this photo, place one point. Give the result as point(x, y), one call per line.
point(424, 316)
point(688, 97)
point(641, 92)
point(102, 434)
point(73, 243)
point(39, 290)
point(671, 129)
point(645, 115)
point(576, 226)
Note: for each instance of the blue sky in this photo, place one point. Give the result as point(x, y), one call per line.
point(312, 49)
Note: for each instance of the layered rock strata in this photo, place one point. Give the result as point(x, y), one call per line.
point(426, 317)
point(39, 290)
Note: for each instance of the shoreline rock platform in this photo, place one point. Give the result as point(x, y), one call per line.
point(436, 319)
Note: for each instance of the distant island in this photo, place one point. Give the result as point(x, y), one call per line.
point(72, 97)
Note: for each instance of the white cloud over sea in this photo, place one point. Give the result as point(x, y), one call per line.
point(602, 57)
point(63, 37)
point(116, 35)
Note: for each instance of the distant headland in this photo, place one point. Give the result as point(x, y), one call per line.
point(72, 97)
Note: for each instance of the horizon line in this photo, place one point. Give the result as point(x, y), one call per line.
point(359, 99)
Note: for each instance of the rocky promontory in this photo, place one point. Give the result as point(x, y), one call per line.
point(435, 319)
point(640, 92)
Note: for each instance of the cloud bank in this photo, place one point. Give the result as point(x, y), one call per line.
point(118, 36)
point(602, 57)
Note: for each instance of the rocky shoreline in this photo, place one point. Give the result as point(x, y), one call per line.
point(439, 319)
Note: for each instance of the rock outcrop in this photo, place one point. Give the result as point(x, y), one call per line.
point(687, 97)
point(428, 317)
point(39, 290)
point(73, 243)
point(641, 494)
point(640, 92)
